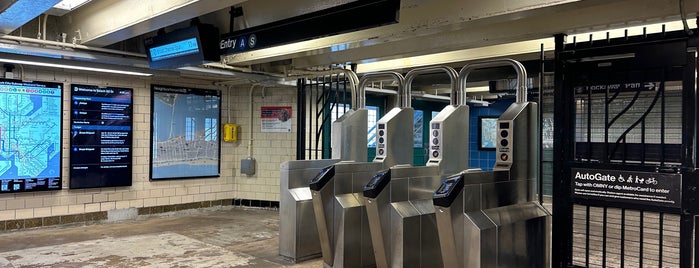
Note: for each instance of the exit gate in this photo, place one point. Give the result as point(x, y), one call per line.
point(625, 179)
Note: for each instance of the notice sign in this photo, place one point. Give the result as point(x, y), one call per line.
point(641, 188)
point(276, 119)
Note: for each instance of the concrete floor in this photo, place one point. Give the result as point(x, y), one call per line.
point(213, 237)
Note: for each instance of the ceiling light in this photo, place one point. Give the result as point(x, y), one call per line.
point(70, 4)
point(73, 67)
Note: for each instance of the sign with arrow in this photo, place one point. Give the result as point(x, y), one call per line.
point(614, 87)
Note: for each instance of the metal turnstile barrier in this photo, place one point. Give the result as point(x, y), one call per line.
point(399, 200)
point(298, 235)
point(336, 192)
point(491, 219)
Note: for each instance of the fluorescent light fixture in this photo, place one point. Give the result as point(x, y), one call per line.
point(70, 4)
point(73, 67)
point(477, 89)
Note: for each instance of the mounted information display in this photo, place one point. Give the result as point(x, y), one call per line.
point(30, 136)
point(189, 46)
point(101, 136)
point(185, 132)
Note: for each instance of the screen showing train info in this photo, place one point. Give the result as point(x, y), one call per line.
point(101, 136)
point(30, 136)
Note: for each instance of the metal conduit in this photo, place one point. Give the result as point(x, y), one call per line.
point(453, 80)
point(361, 96)
point(519, 68)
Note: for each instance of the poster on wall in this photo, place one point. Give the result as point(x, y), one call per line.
point(100, 136)
point(30, 136)
point(184, 132)
point(276, 119)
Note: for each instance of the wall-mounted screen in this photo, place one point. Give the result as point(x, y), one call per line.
point(30, 136)
point(487, 132)
point(185, 132)
point(100, 136)
point(189, 46)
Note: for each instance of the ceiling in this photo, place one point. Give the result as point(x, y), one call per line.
point(429, 32)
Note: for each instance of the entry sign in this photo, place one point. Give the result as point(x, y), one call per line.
point(641, 188)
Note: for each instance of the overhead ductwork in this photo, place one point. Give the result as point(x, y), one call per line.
point(18, 12)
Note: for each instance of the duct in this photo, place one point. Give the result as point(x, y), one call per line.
point(17, 13)
point(99, 26)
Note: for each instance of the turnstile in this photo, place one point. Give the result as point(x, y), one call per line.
point(336, 191)
point(491, 219)
point(298, 235)
point(399, 200)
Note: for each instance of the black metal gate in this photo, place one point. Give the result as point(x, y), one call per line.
point(320, 99)
point(624, 191)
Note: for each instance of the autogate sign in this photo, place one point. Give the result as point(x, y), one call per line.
point(641, 188)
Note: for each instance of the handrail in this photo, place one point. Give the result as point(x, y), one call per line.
point(456, 95)
point(361, 95)
point(519, 68)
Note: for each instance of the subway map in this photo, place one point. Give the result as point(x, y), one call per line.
point(30, 130)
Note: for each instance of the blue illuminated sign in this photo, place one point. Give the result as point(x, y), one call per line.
point(176, 49)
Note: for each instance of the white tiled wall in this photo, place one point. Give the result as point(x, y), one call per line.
point(270, 150)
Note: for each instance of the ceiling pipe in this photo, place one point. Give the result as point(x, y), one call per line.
point(70, 45)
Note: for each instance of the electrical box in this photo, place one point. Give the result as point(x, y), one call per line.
point(247, 166)
point(230, 132)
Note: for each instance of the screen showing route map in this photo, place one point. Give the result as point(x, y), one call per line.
point(185, 132)
point(30, 136)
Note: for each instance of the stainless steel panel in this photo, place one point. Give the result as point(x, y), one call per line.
point(521, 234)
point(423, 187)
point(430, 250)
point(451, 155)
point(480, 240)
point(504, 193)
point(298, 234)
point(379, 216)
point(348, 134)
point(324, 212)
point(404, 247)
point(398, 138)
point(450, 228)
point(399, 189)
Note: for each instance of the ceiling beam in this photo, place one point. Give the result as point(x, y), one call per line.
point(106, 22)
point(542, 22)
point(16, 13)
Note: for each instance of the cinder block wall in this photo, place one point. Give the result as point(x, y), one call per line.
point(270, 149)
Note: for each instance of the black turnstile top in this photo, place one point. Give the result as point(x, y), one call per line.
point(377, 183)
point(448, 191)
point(322, 178)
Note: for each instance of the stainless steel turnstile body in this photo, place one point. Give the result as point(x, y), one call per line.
point(298, 236)
point(338, 207)
point(341, 217)
point(399, 200)
point(491, 219)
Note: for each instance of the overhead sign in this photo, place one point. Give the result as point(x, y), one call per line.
point(640, 188)
point(332, 21)
point(189, 46)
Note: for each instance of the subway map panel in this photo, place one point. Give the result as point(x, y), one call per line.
point(185, 132)
point(30, 136)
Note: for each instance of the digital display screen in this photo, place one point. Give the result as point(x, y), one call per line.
point(435, 125)
point(175, 49)
point(382, 126)
point(185, 132)
point(30, 136)
point(487, 132)
point(101, 136)
point(504, 125)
